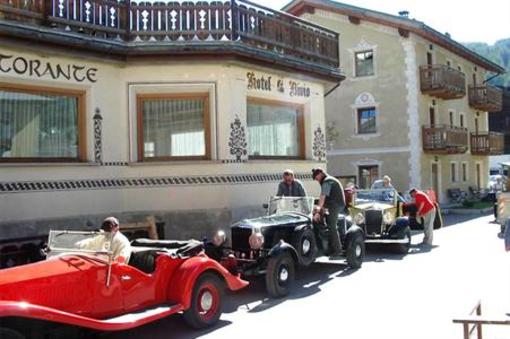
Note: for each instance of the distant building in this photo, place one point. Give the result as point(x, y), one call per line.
point(413, 105)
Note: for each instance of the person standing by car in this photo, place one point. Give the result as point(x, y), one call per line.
point(290, 186)
point(384, 183)
point(120, 246)
point(331, 198)
point(426, 210)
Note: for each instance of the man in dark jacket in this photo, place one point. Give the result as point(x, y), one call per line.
point(331, 198)
point(290, 186)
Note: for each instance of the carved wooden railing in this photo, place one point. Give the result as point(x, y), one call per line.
point(444, 139)
point(442, 81)
point(486, 98)
point(487, 143)
point(239, 21)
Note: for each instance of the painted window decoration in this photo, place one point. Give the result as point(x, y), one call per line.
point(39, 125)
point(173, 127)
point(275, 130)
point(367, 120)
point(364, 63)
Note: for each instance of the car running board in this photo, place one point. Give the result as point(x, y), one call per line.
point(387, 241)
point(331, 260)
point(123, 322)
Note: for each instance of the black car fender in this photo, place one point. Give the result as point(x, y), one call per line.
point(302, 227)
point(352, 230)
point(281, 247)
point(399, 229)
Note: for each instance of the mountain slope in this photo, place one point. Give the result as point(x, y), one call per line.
point(498, 53)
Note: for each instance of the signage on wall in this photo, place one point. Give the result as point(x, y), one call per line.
point(35, 67)
point(262, 83)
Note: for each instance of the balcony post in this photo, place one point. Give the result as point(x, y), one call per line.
point(235, 19)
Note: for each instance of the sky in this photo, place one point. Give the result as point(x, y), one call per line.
point(466, 21)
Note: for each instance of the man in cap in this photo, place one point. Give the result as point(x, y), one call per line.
point(120, 246)
point(290, 186)
point(331, 198)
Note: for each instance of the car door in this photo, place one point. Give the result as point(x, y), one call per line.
point(107, 296)
point(138, 288)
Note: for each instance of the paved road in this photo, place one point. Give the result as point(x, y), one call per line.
point(392, 296)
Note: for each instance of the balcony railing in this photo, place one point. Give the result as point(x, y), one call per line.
point(487, 143)
point(486, 98)
point(442, 81)
point(183, 24)
point(443, 139)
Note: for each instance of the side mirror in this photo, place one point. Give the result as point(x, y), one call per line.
point(265, 206)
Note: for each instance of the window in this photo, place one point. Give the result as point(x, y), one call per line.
point(364, 63)
point(41, 125)
point(451, 118)
point(366, 120)
point(275, 129)
point(367, 175)
point(453, 172)
point(464, 172)
point(173, 127)
point(461, 120)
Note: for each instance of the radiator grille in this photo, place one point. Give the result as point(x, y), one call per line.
point(373, 221)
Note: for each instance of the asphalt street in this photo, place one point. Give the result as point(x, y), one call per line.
point(393, 296)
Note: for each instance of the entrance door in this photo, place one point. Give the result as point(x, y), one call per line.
point(435, 179)
point(367, 175)
point(478, 176)
point(432, 116)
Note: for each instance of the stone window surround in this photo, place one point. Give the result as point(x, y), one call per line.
point(366, 162)
point(363, 46)
point(365, 103)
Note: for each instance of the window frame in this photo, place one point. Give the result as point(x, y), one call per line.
point(176, 96)
point(454, 177)
point(81, 121)
point(464, 169)
point(300, 122)
point(356, 70)
point(358, 109)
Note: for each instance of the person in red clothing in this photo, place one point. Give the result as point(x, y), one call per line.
point(427, 211)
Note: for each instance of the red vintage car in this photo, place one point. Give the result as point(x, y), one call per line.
point(86, 288)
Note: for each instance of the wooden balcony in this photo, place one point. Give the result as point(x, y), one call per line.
point(487, 143)
point(229, 27)
point(486, 98)
point(442, 81)
point(443, 139)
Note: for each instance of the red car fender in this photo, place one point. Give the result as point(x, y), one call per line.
point(181, 285)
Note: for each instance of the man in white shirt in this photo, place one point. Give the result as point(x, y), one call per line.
point(120, 247)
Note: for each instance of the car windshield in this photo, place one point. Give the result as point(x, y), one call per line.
point(386, 195)
point(302, 205)
point(96, 243)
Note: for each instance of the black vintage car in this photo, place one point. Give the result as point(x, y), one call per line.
point(273, 245)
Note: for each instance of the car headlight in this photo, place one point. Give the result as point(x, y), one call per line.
point(359, 219)
point(219, 238)
point(387, 218)
point(256, 240)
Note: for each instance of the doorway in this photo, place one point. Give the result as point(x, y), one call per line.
point(435, 178)
point(432, 116)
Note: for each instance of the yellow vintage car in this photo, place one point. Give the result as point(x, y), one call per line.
point(379, 212)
